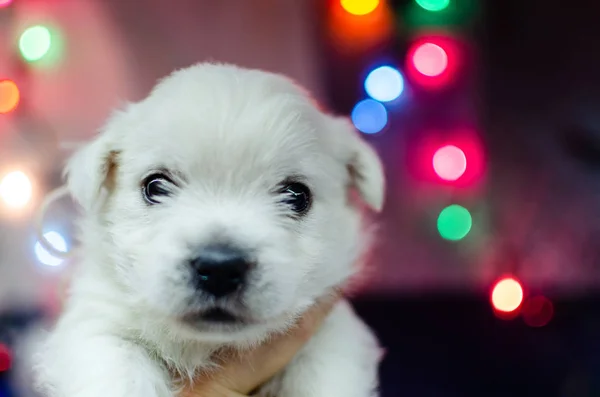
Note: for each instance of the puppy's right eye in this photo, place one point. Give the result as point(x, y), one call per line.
point(156, 186)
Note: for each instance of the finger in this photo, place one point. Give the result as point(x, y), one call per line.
point(243, 372)
point(314, 317)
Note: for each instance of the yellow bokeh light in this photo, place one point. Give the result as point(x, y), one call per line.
point(359, 7)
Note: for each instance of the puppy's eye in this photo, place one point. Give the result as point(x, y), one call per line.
point(156, 186)
point(297, 196)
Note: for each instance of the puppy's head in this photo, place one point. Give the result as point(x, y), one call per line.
point(223, 201)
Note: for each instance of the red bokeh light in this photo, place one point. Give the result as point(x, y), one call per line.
point(537, 311)
point(5, 358)
point(5, 3)
point(449, 162)
point(454, 158)
point(430, 59)
point(433, 61)
point(507, 295)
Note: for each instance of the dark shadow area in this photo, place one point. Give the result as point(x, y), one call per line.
point(454, 346)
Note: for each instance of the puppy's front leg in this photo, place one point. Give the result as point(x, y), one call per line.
point(88, 364)
point(341, 360)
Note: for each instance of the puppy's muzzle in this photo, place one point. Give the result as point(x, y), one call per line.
point(220, 270)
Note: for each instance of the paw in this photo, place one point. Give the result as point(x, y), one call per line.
point(100, 366)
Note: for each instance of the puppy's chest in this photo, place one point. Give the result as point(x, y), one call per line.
point(184, 359)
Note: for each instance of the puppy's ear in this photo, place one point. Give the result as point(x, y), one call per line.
point(90, 169)
point(363, 164)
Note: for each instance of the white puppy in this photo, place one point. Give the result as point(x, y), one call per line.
point(217, 210)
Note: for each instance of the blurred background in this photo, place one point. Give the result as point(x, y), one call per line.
point(486, 281)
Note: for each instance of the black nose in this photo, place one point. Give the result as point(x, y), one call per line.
point(220, 270)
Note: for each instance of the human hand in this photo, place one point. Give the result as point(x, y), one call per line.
point(241, 373)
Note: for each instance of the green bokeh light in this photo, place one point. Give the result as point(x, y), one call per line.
point(35, 43)
point(433, 5)
point(427, 14)
point(454, 222)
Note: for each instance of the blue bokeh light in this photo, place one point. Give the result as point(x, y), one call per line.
point(384, 84)
point(369, 116)
point(44, 256)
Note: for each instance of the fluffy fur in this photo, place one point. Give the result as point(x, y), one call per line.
point(231, 135)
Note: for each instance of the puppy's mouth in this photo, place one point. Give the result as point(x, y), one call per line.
point(219, 316)
point(215, 316)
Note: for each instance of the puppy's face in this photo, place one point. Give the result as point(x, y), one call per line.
point(222, 202)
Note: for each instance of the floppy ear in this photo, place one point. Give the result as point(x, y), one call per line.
point(363, 164)
point(90, 169)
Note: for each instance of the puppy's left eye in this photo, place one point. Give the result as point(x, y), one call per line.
point(156, 186)
point(298, 196)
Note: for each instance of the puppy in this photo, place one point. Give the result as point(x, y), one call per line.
point(216, 211)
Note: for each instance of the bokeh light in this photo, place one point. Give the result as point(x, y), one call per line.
point(5, 3)
point(440, 15)
point(507, 295)
point(433, 61)
point(430, 59)
point(449, 163)
point(384, 84)
point(433, 5)
point(16, 189)
point(369, 116)
point(9, 96)
point(5, 358)
point(454, 222)
point(355, 34)
point(35, 43)
point(58, 242)
point(537, 311)
point(427, 162)
point(359, 7)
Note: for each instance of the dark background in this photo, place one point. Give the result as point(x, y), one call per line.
point(536, 95)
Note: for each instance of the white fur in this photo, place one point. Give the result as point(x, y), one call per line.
point(233, 135)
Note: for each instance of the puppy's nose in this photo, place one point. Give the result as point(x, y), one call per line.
point(220, 270)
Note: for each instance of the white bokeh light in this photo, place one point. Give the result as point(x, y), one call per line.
point(16, 189)
point(45, 257)
point(384, 84)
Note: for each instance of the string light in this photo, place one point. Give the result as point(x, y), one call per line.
point(454, 222)
point(507, 295)
point(537, 311)
point(430, 59)
point(9, 96)
point(353, 33)
point(359, 7)
point(16, 189)
point(58, 242)
point(433, 5)
point(369, 116)
point(35, 43)
point(449, 163)
point(384, 84)
point(433, 62)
